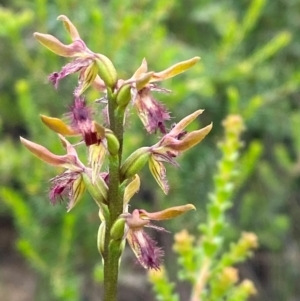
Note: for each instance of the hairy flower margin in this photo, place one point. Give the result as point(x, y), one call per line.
point(143, 246)
point(96, 70)
point(68, 183)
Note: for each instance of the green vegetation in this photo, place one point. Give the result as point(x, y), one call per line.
point(249, 66)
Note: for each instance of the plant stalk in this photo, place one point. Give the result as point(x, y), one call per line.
point(112, 251)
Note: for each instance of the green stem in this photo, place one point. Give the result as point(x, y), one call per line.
point(112, 252)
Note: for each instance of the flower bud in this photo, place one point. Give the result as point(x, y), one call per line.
point(106, 70)
point(227, 278)
point(116, 247)
point(117, 229)
point(98, 190)
point(101, 239)
point(183, 242)
point(124, 96)
point(248, 287)
point(135, 162)
point(113, 143)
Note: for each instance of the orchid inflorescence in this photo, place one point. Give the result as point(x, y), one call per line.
point(113, 189)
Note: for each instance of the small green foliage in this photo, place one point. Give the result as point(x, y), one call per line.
point(249, 53)
point(163, 288)
point(204, 263)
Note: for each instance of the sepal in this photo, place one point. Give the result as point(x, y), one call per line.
point(77, 191)
point(168, 213)
point(56, 46)
point(97, 154)
point(58, 126)
point(70, 27)
point(175, 69)
point(132, 188)
point(158, 172)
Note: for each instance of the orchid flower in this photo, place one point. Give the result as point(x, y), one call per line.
point(143, 246)
point(68, 183)
point(151, 112)
point(171, 145)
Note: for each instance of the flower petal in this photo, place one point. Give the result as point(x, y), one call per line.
point(56, 46)
point(167, 213)
point(145, 249)
point(97, 154)
point(132, 188)
point(69, 26)
point(183, 123)
point(43, 153)
point(58, 126)
point(134, 221)
point(99, 129)
point(175, 69)
point(141, 70)
point(143, 80)
point(151, 112)
point(77, 65)
point(76, 193)
point(61, 186)
point(189, 140)
point(72, 159)
point(159, 173)
point(86, 78)
point(99, 84)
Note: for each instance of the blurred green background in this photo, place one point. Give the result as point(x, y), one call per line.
point(250, 64)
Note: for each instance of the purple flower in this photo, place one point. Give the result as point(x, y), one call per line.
point(68, 184)
point(171, 145)
point(81, 121)
point(84, 60)
point(144, 247)
point(152, 113)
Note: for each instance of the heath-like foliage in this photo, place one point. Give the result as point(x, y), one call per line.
point(206, 261)
point(101, 131)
